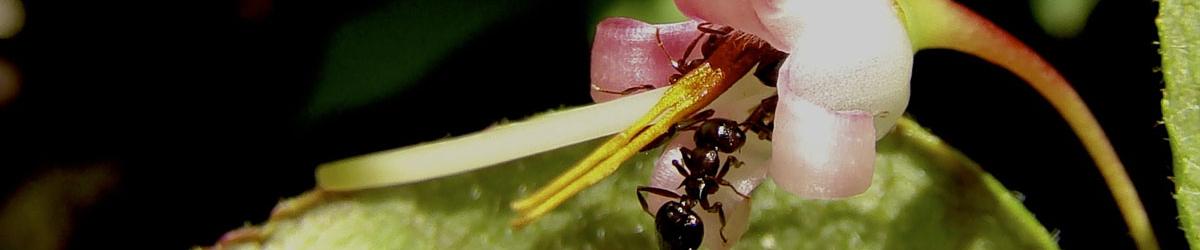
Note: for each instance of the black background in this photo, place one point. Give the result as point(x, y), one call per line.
point(202, 110)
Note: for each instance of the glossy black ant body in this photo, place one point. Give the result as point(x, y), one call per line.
point(678, 225)
point(717, 130)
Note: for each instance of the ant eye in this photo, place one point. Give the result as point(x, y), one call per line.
point(710, 45)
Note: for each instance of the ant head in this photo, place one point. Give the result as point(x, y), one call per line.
point(678, 227)
point(716, 36)
point(723, 134)
point(768, 68)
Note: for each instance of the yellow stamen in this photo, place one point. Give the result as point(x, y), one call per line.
point(690, 93)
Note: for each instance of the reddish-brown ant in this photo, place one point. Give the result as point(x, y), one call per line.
point(716, 36)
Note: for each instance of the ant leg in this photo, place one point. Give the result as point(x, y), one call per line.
point(757, 122)
point(677, 65)
point(682, 125)
point(690, 46)
point(720, 210)
point(653, 190)
point(627, 91)
point(726, 183)
point(679, 168)
point(680, 65)
point(707, 28)
point(725, 168)
point(687, 157)
point(687, 154)
point(682, 171)
point(691, 123)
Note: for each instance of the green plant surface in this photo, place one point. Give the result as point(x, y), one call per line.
point(1179, 37)
point(925, 195)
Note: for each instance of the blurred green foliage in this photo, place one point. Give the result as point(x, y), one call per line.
point(1062, 18)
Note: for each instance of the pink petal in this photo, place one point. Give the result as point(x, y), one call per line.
point(626, 54)
point(740, 14)
point(782, 22)
point(820, 153)
point(844, 86)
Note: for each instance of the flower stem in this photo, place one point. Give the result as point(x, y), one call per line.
point(944, 24)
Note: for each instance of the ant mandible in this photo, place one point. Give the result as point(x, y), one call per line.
point(678, 225)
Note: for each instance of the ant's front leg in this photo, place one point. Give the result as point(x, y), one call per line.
point(725, 169)
point(707, 28)
point(693, 123)
point(679, 168)
point(687, 157)
point(689, 124)
point(680, 65)
point(731, 160)
point(628, 91)
point(653, 190)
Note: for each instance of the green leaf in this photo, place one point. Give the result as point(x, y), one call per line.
point(1178, 24)
point(925, 195)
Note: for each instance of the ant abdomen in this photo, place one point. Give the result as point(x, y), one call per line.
point(678, 227)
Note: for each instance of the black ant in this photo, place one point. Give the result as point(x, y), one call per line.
point(768, 67)
point(679, 227)
point(717, 36)
point(762, 120)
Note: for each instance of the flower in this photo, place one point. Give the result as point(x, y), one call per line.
point(843, 86)
point(836, 96)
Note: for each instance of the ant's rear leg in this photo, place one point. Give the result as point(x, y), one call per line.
point(718, 208)
point(653, 190)
point(735, 191)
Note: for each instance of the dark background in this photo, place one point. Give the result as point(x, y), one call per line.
point(204, 108)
